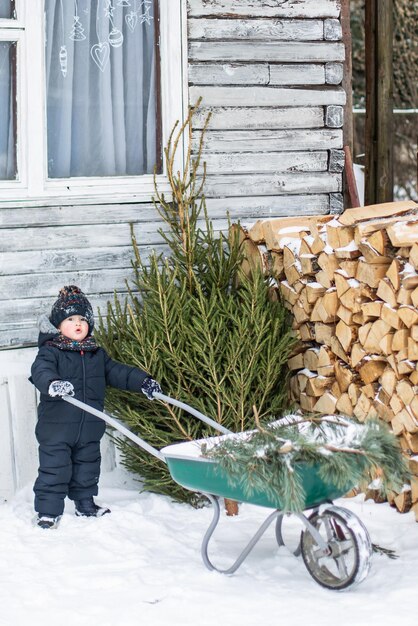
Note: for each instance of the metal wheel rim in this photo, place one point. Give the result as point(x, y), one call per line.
point(338, 568)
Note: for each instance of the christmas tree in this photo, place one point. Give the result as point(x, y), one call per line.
point(210, 334)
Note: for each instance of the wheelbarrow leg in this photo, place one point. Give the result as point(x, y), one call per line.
point(279, 535)
point(212, 526)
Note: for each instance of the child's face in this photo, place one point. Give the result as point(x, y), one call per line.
point(74, 327)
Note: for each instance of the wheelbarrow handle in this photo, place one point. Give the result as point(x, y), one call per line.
point(112, 421)
point(192, 411)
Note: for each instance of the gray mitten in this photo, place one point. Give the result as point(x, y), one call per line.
point(149, 387)
point(60, 388)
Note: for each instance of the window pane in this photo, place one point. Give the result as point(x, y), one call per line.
point(6, 9)
point(101, 87)
point(8, 110)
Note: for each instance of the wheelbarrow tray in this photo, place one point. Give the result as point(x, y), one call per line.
point(195, 472)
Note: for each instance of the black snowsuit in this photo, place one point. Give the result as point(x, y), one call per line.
point(69, 438)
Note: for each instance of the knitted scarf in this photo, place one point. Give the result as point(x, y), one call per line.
point(65, 343)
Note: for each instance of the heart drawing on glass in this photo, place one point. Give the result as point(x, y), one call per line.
point(100, 53)
point(131, 19)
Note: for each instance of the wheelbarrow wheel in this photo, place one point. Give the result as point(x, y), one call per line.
point(346, 560)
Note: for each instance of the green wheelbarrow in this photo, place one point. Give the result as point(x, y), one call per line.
point(334, 543)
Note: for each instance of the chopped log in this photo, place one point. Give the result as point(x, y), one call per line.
point(404, 233)
point(372, 309)
point(296, 362)
point(338, 236)
point(344, 405)
point(256, 232)
point(371, 255)
point(384, 412)
point(326, 404)
point(344, 314)
point(413, 256)
point(365, 229)
point(289, 292)
point(414, 490)
point(310, 359)
point(325, 280)
point(315, 386)
point(393, 273)
point(409, 278)
point(373, 211)
point(396, 404)
point(349, 252)
point(314, 291)
point(409, 421)
point(308, 264)
point(386, 292)
point(413, 464)
point(371, 273)
point(306, 332)
point(317, 245)
point(397, 425)
point(253, 259)
point(405, 391)
point(302, 378)
point(405, 367)
point(353, 393)
point(307, 403)
point(293, 273)
point(408, 315)
point(400, 339)
point(412, 442)
point(405, 296)
point(414, 297)
point(412, 350)
point(338, 349)
point(363, 332)
point(324, 332)
point(378, 331)
point(344, 375)
point(357, 354)
point(277, 265)
point(390, 316)
point(362, 408)
point(388, 380)
point(346, 335)
point(328, 263)
point(403, 501)
point(385, 344)
point(349, 267)
point(370, 390)
point(371, 370)
point(413, 377)
point(352, 299)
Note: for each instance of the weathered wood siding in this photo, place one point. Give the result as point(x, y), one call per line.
point(270, 73)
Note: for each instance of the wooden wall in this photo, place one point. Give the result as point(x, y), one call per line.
point(270, 72)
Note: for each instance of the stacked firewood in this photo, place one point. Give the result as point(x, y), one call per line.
point(351, 283)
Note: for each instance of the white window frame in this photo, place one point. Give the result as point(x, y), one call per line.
point(33, 184)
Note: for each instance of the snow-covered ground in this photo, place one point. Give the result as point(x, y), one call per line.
point(141, 565)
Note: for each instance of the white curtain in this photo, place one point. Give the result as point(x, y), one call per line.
point(7, 125)
point(100, 87)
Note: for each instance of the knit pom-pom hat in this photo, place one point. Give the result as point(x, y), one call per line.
point(71, 301)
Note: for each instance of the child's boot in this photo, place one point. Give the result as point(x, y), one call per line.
point(47, 521)
point(86, 507)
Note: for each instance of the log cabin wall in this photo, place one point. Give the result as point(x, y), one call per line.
point(270, 73)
